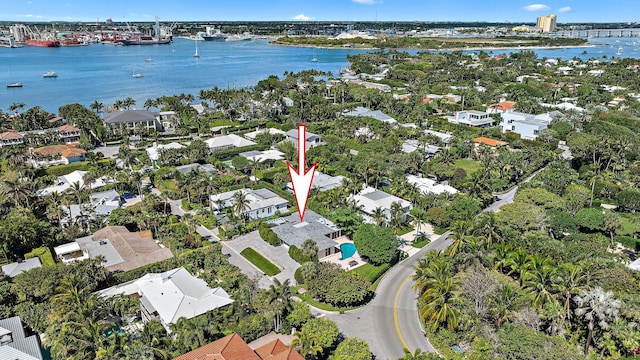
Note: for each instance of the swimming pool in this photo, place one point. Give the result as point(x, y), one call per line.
point(347, 249)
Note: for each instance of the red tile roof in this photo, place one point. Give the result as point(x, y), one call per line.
point(489, 141)
point(64, 150)
point(232, 347)
point(504, 105)
point(67, 128)
point(10, 135)
point(57, 118)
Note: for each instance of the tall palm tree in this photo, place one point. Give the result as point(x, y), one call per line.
point(240, 203)
point(278, 296)
point(77, 190)
point(598, 308)
point(504, 304)
point(460, 231)
point(16, 190)
point(310, 249)
point(518, 263)
point(96, 106)
point(379, 216)
point(441, 302)
point(487, 228)
point(571, 279)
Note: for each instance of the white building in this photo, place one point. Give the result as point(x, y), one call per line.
point(370, 199)
point(273, 131)
point(322, 182)
point(100, 205)
point(472, 118)
point(65, 182)
point(445, 137)
point(528, 126)
point(171, 295)
point(375, 114)
point(310, 141)
point(156, 149)
point(412, 145)
point(429, 186)
point(226, 142)
point(262, 203)
point(262, 156)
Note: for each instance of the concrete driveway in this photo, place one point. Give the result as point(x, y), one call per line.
point(276, 254)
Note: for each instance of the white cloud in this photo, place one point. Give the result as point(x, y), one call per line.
point(536, 7)
point(302, 17)
point(366, 2)
point(565, 9)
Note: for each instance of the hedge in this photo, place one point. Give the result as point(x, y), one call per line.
point(269, 236)
point(297, 255)
point(628, 242)
point(65, 169)
point(43, 253)
point(298, 276)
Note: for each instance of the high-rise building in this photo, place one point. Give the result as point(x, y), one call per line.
point(547, 23)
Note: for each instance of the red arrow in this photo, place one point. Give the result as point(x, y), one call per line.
point(301, 179)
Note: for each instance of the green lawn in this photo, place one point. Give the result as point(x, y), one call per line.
point(322, 306)
point(405, 229)
point(260, 262)
point(164, 185)
point(422, 243)
point(370, 272)
point(469, 166)
point(628, 223)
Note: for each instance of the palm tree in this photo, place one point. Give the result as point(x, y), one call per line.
point(76, 190)
point(440, 304)
point(487, 228)
point(16, 190)
point(126, 156)
point(540, 283)
point(310, 249)
point(397, 215)
point(307, 343)
point(598, 308)
point(505, 302)
point(518, 262)
point(571, 280)
point(279, 299)
point(460, 230)
point(96, 106)
point(379, 216)
point(240, 203)
point(128, 102)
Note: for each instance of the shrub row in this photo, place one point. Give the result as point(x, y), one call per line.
point(628, 242)
point(269, 236)
point(297, 255)
point(43, 253)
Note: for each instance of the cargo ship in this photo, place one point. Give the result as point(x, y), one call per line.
point(43, 43)
point(144, 40)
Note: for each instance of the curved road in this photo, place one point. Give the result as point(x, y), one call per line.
point(389, 323)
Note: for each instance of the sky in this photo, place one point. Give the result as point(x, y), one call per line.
point(514, 11)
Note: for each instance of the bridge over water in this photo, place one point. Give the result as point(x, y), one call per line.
point(599, 33)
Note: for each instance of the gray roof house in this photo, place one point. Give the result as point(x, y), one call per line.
point(129, 119)
point(322, 182)
point(376, 114)
point(13, 269)
point(412, 145)
point(171, 295)
point(293, 232)
point(14, 344)
point(100, 204)
point(311, 138)
point(262, 203)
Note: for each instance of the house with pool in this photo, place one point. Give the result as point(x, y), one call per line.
point(315, 227)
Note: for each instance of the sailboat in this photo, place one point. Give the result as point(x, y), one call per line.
point(14, 85)
point(619, 51)
point(314, 58)
point(197, 55)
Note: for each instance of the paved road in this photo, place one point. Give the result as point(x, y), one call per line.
point(390, 322)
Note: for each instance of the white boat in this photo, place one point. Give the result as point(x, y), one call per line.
point(137, 75)
point(148, 60)
point(50, 74)
point(14, 85)
point(197, 55)
point(619, 51)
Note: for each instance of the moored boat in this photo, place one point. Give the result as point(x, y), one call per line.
point(14, 85)
point(50, 74)
point(145, 40)
point(42, 43)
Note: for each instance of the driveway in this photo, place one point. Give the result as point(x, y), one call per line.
point(276, 254)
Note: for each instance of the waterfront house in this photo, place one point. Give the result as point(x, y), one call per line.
point(168, 119)
point(14, 344)
point(473, 118)
point(375, 114)
point(262, 203)
point(125, 122)
point(430, 186)
point(233, 347)
point(310, 141)
point(69, 134)
point(370, 199)
point(57, 155)
point(226, 142)
point(122, 250)
point(10, 138)
point(322, 182)
point(171, 295)
point(18, 267)
point(315, 227)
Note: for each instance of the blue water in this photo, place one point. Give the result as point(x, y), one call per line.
point(104, 72)
point(347, 249)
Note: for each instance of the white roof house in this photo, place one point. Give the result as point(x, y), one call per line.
point(370, 199)
point(262, 202)
point(412, 145)
point(429, 186)
point(156, 149)
point(64, 182)
point(226, 142)
point(311, 139)
point(262, 156)
point(70, 252)
point(445, 137)
point(273, 131)
point(172, 295)
point(100, 204)
point(528, 126)
point(472, 118)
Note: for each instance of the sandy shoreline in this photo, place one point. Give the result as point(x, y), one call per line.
point(490, 48)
